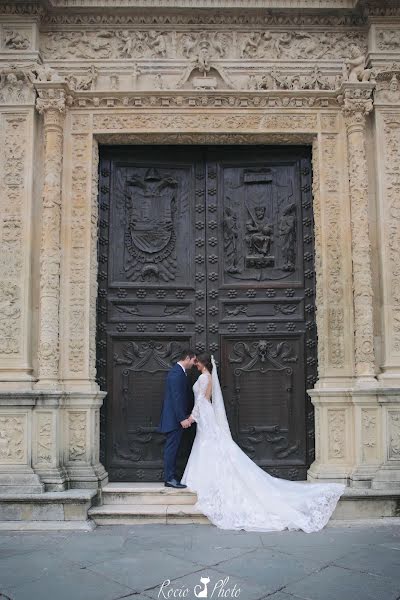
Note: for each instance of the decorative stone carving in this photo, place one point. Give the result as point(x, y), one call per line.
point(388, 87)
point(388, 39)
point(391, 235)
point(369, 434)
point(297, 44)
point(204, 122)
point(13, 439)
point(77, 436)
point(337, 434)
point(80, 215)
point(143, 43)
point(45, 73)
point(16, 40)
point(51, 103)
point(394, 435)
point(15, 86)
point(44, 452)
point(84, 82)
point(13, 160)
point(357, 103)
point(355, 66)
point(313, 80)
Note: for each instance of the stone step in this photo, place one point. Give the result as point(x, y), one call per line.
point(125, 503)
point(145, 493)
point(49, 510)
point(125, 514)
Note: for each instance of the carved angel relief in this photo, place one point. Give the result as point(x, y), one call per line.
point(149, 208)
point(260, 227)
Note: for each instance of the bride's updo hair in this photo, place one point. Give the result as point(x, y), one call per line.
point(205, 359)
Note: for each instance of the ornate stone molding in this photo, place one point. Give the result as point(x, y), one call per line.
point(356, 105)
point(51, 104)
point(181, 4)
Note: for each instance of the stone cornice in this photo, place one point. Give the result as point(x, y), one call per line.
point(189, 99)
point(207, 4)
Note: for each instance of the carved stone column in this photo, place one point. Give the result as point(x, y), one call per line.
point(357, 104)
point(51, 104)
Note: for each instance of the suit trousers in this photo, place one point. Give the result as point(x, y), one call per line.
point(172, 441)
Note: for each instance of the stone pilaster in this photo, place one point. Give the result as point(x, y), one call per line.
point(357, 104)
point(386, 157)
point(51, 104)
point(17, 135)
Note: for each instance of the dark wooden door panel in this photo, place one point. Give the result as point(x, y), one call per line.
point(213, 248)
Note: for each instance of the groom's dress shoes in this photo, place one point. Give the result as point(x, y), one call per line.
point(174, 483)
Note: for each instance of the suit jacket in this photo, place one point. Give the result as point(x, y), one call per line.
point(176, 400)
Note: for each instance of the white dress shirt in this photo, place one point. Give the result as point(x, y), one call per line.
point(184, 370)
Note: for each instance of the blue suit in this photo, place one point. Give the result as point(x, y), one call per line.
point(175, 409)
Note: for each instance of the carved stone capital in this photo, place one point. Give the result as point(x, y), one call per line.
point(357, 102)
point(50, 99)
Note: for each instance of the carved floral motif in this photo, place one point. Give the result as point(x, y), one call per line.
point(45, 438)
point(12, 439)
point(77, 436)
point(80, 218)
point(336, 433)
point(392, 224)
point(13, 158)
point(369, 434)
point(394, 434)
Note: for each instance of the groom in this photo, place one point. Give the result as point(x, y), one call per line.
point(174, 414)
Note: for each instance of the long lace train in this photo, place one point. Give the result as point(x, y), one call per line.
point(234, 493)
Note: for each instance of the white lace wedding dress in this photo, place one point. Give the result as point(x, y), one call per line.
point(233, 492)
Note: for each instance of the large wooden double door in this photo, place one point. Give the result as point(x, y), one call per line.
point(212, 248)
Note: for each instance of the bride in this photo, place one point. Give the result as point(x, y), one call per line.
point(232, 491)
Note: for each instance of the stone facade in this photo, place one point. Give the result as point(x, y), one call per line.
point(75, 75)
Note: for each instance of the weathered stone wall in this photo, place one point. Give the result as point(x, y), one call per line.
point(73, 80)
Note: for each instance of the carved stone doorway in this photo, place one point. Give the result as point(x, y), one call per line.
point(210, 247)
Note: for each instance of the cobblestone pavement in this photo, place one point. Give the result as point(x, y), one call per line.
point(353, 562)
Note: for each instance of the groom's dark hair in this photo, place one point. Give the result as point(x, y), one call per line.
point(186, 352)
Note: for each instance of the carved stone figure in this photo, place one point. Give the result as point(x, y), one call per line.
point(258, 233)
point(45, 73)
point(156, 41)
point(230, 241)
point(287, 233)
point(85, 82)
point(14, 85)
point(126, 43)
point(355, 66)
